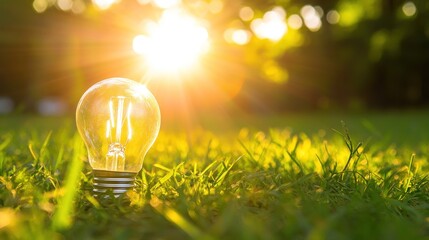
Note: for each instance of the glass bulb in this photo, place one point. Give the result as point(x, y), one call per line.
point(119, 120)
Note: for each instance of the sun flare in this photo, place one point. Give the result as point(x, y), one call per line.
point(173, 43)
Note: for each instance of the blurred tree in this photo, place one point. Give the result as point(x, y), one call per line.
point(15, 50)
point(293, 54)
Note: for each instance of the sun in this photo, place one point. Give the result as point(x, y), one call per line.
point(174, 43)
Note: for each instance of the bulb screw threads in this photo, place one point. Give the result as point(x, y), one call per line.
point(117, 183)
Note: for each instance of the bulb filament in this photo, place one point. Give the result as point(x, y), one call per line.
point(118, 132)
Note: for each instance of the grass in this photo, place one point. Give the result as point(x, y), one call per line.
point(284, 177)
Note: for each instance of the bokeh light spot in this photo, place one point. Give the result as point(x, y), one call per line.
point(104, 4)
point(333, 17)
point(6, 105)
point(409, 9)
point(40, 6)
point(311, 18)
point(350, 12)
point(246, 13)
point(272, 26)
point(78, 7)
point(280, 11)
point(319, 11)
point(65, 5)
point(307, 11)
point(237, 36)
point(294, 21)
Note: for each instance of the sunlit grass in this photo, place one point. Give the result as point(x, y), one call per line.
point(297, 179)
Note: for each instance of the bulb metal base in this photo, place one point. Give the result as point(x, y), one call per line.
point(118, 183)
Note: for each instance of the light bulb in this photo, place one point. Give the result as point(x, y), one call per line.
point(119, 120)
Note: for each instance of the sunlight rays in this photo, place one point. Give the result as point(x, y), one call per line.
point(183, 58)
point(173, 43)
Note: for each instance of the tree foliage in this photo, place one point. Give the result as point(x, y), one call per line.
point(375, 55)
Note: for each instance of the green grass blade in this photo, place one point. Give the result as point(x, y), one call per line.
point(176, 218)
point(64, 213)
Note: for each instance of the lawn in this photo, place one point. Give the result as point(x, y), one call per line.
point(295, 176)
